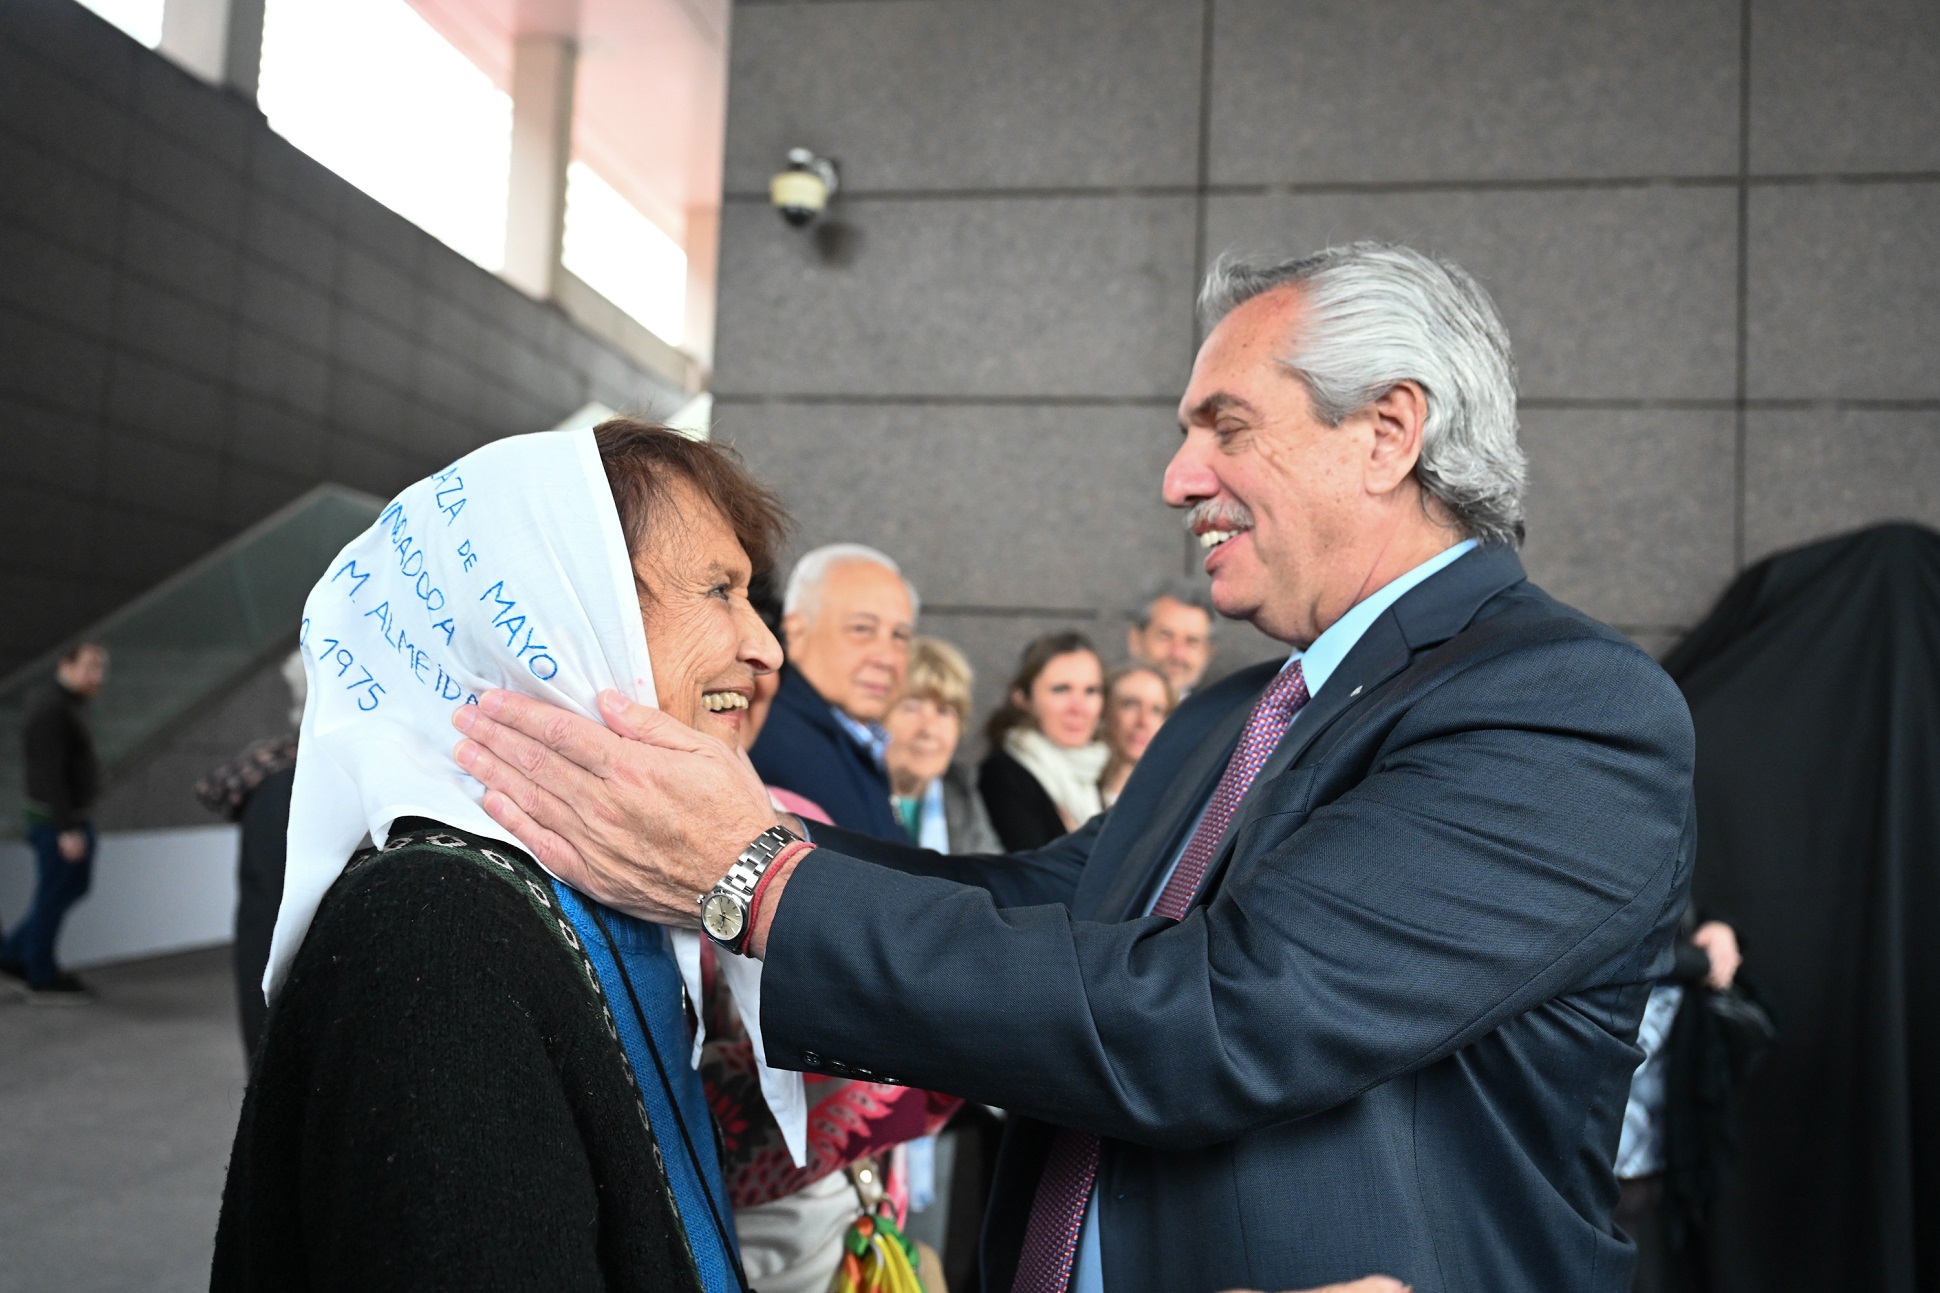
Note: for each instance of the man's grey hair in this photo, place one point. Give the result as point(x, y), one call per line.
point(1379, 314)
point(1183, 591)
point(804, 591)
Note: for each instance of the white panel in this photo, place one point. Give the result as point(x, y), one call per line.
point(153, 892)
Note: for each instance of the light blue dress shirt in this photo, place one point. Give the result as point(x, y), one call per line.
point(873, 737)
point(1318, 662)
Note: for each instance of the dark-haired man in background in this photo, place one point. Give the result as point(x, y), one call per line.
point(63, 777)
point(1174, 634)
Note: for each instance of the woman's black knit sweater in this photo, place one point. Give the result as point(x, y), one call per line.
point(440, 1101)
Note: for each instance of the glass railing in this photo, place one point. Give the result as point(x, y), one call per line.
point(193, 636)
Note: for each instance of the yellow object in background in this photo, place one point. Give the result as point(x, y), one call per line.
point(876, 1259)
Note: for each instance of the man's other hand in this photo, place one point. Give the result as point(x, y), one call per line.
point(72, 844)
point(1366, 1284)
point(1720, 943)
point(646, 817)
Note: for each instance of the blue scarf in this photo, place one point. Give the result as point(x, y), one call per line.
point(656, 982)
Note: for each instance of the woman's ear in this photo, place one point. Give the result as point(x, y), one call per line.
point(1020, 700)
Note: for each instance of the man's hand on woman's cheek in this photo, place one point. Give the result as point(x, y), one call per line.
point(645, 817)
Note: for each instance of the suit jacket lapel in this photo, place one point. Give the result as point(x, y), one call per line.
point(1191, 785)
point(1430, 613)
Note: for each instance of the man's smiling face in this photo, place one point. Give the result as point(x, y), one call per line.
point(1274, 491)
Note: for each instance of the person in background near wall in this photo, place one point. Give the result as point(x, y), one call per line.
point(1174, 634)
point(848, 616)
point(63, 777)
point(1137, 699)
point(1040, 779)
point(933, 797)
point(1658, 1147)
point(254, 792)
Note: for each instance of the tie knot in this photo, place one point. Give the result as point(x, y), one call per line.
point(1288, 690)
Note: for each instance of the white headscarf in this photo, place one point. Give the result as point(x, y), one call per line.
point(508, 569)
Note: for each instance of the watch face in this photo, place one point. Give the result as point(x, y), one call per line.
point(723, 917)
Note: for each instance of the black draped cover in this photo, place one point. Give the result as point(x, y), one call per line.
point(1815, 688)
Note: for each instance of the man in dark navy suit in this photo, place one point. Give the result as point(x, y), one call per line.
point(849, 617)
point(1348, 979)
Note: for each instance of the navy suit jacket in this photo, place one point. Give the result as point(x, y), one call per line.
point(1395, 1032)
point(802, 748)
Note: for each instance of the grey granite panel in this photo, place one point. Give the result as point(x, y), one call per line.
point(969, 96)
point(54, 525)
point(213, 123)
point(1843, 280)
point(49, 363)
point(250, 493)
point(285, 305)
point(156, 476)
point(44, 108)
point(374, 286)
point(149, 398)
point(1355, 90)
point(45, 446)
point(367, 405)
point(448, 326)
point(373, 226)
point(1607, 293)
point(1813, 473)
point(1003, 506)
point(147, 547)
point(299, 378)
point(378, 350)
point(362, 465)
point(283, 236)
point(445, 383)
point(280, 167)
point(62, 604)
point(167, 325)
point(271, 436)
point(74, 41)
point(1067, 296)
point(185, 182)
point(78, 208)
point(54, 282)
point(1631, 513)
point(178, 255)
point(1853, 86)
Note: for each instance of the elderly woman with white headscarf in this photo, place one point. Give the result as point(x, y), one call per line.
point(471, 1075)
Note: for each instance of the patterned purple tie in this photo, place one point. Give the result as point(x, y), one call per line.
point(1058, 1211)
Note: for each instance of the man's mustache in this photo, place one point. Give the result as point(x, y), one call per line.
point(1219, 514)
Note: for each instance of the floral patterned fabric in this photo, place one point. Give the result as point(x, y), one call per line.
point(847, 1120)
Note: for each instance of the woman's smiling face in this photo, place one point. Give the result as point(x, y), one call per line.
point(708, 644)
point(1066, 698)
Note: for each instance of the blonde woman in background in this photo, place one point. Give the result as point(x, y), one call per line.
point(1137, 700)
point(932, 795)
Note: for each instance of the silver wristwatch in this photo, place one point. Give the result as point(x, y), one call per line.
point(727, 912)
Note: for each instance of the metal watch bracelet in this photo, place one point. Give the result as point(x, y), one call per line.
point(727, 910)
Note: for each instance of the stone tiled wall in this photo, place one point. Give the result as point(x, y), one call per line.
point(1713, 227)
point(198, 323)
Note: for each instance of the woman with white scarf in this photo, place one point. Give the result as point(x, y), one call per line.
point(471, 1075)
point(1040, 779)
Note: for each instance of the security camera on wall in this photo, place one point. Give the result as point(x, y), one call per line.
point(802, 192)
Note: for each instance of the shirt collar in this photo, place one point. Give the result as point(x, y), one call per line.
point(1319, 661)
point(869, 736)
